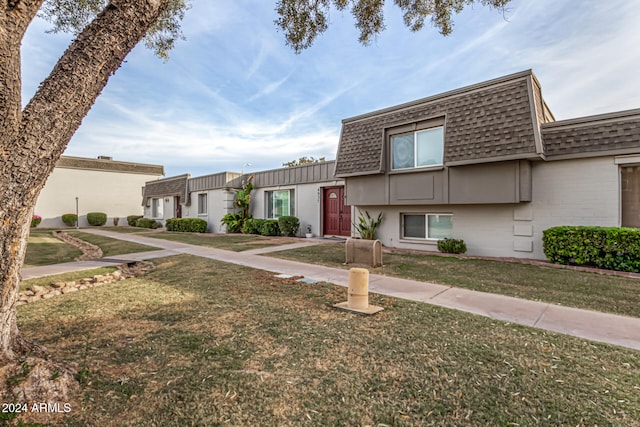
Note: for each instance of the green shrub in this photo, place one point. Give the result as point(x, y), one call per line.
point(148, 223)
point(612, 248)
point(131, 219)
point(70, 219)
point(252, 226)
point(35, 220)
point(269, 227)
point(289, 225)
point(187, 225)
point(367, 226)
point(97, 218)
point(452, 246)
point(234, 222)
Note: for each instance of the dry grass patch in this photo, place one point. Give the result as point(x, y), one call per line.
point(591, 291)
point(199, 342)
point(231, 242)
point(111, 246)
point(45, 249)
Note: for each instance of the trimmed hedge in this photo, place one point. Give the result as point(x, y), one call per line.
point(288, 225)
point(612, 248)
point(269, 227)
point(97, 218)
point(131, 219)
point(263, 227)
point(148, 223)
point(187, 225)
point(452, 246)
point(70, 219)
point(252, 226)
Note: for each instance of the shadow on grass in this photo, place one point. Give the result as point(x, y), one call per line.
point(200, 342)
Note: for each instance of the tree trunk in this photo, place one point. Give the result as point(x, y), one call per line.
point(32, 140)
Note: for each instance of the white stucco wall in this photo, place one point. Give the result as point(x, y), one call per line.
point(118, 194)
point(307, 203)
point(575, 192)
point(486, 229)
point(219, 203)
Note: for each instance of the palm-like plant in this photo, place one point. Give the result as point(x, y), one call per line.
point(366, 226)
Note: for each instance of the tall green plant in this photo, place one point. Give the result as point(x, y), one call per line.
point(243, 199)
point(366, 226)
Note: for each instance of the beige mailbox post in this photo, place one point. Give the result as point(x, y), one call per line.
point(359, 251)
point(358, 294)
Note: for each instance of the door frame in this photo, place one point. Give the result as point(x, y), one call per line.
point(323, 213)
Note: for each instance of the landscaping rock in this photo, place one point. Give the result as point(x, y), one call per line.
point(89, 251)
point(37, 289)
point(36, 292)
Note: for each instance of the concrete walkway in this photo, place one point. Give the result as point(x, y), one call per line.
point(609, 328)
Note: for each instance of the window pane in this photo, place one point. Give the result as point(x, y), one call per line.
point(440, 226)
point(280, 204)
point(402, 151)
point(269, 204)
point(414, 226)
point(156, 208)
point(429, 146)
point(202, 203)
point(630, 195)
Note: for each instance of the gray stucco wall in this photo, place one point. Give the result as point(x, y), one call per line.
point(567, 192)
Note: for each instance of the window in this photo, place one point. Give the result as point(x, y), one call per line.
point(156, 208)
point(427, 226)
point(280, 203)
point(417, 149)
point(630, 195)
point(202, 204)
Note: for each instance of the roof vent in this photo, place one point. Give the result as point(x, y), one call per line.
point(105, 157)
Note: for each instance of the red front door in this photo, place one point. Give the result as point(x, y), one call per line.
point(337, 215)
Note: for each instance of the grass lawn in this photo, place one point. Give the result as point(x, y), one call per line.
point(111, 246)
point(44, 249)
point(565, 287)
point(199, 342)
point(230, 242)
point(128, 229)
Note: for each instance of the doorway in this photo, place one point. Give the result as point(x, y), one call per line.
point(336, 214)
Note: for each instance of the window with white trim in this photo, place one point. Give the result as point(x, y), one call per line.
point(280, 203)
point(418, 149)
point(202, 204)
point(426, 226)
point(156, 208)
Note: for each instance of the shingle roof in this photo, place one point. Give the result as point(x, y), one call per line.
point(174, 186)
point(490, 121)
point(593, 136)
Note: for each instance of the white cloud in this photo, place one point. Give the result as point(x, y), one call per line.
point(234, 93)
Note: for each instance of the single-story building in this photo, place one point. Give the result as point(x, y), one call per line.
point(309, 192)
point(96, 185)
point(489, 164)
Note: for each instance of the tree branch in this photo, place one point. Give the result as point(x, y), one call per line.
point(22, 12)
point(56, 110)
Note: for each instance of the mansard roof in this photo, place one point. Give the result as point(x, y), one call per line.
point(491, 121)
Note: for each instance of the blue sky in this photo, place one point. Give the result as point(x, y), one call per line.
point(234, 97)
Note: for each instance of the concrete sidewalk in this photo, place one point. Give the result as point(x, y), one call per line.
point(609, 328)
